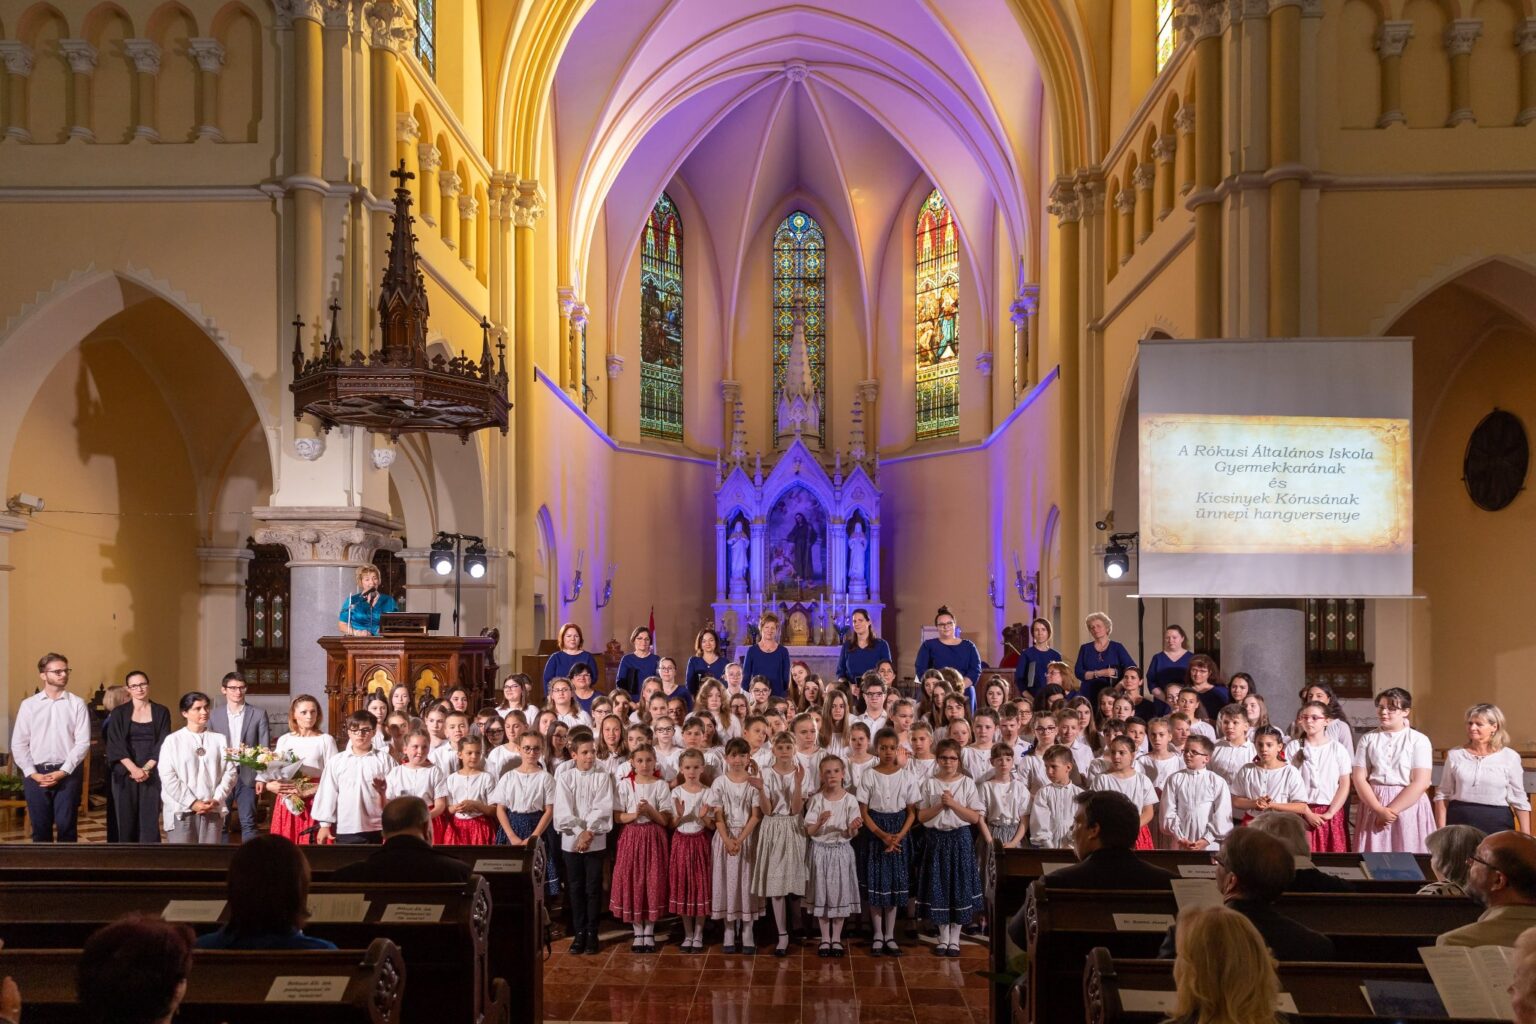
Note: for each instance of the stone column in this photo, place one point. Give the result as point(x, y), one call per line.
point(1143, 180)
point(1204, 20)
point(1184, 124)
point(209, 54)
point(1067, 209)
point(325, 545)
point(1022, 313)
point(1164, 150)
point(1267, 638)
point(10, 524)
point(221, 610)
point(568, 303)
point(18, 68)
point(429, 160)
point(1460, 35)
point(869, 394)
point(1391, 37)
point(1285, 170)
point(146, 65)
point(389, 131)
point(1125, 211)
point(527, 207)
point(1525, 41)
point(448, 185)
point(306, 180)
point(407, 137)
point(756, 579)
point(82, 65)
point(469, 206)
point(730, 394)
point(496, 271)
point(572, 347)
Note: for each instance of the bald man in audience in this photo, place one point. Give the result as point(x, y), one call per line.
point(407, 855)
point(1503, 879)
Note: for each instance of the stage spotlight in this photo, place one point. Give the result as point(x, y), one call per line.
point(1117, 561)
point(442, 558)
point(474, 561)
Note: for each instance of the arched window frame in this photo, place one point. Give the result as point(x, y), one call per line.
point(661, 322)
point(936, 332)
point(426, 36)
point(1167, 33)
point(800, 257)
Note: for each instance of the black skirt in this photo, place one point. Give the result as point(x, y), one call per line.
point(1487, 818)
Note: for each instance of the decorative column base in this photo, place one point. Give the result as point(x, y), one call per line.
point(326, 546)
point(1267, 638)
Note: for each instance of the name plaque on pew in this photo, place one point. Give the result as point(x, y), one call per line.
point(1150, 1001)
point(193, 911)
point(1197, 870)
point(498, 865)
point(1142, 922)
point(408, 912)
point(301, 988)
point(342, 907)
point(1047, 866)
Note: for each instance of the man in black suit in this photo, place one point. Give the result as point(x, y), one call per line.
point(1252, 870)
point(407, 855)
point(1104, 839)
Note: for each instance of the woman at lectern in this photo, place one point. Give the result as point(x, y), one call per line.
point(360, 612)
point(1101, 661)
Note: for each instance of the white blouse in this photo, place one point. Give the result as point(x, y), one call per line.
point(1005, 801)
point(1138, 788)
point(1159, 771)
point(856, 772)
point(1282, 785)
point(920, 770)
point(312, 751)
point(975, 762)
point(964, 792)
point(887, 794)
point(1320, 766)
point(502, 759)
point(427, 782)
point(192, 768)
point(1342, 731)
point(845, 811)
point(524, 792)
point(478, 786)
point(1032, 770)
point(1052, 810)
point(1197, 805)
point(811, 760)
point(778, 790)
point(734, 799)
point(1497, 779)
point(1390, 757)
point(690, 821)
point(658, 794)
point(1228, 759)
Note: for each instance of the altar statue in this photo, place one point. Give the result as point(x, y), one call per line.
point(739, 543)
point(803, 536)
point(857, 545)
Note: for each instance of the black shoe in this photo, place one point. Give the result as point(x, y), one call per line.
point(638, 946)
point(891, 949)
point(824, 950)
point(837, 951)
point(877, 948)
point(747, 950)
point(728, 947)
point(782, 949)
point(593, 946)
point(650, 946)
point(578, 945)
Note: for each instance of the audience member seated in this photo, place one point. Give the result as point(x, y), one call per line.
point(407, 855)
point(1450, 858)
point(10, 999)
point(268, 899)
point(1522, 991)
point(1252, 870)
point(1223, 972)
point(1104, 838)
point(1290, 830)
point(1502, 877)
point(134, 971)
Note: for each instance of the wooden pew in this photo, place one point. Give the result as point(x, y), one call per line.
point(1064, 925)
point(1017, 869)
point(445, 959)
point(226, 986)
point(517, 924)
point(1324, 993)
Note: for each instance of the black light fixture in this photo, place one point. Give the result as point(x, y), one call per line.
point(442, 559)
point(1117, 557)
point(445, 558)
point(474, 560)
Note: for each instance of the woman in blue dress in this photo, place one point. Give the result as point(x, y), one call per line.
point(1029, 674)
point(638, 665)
point(1101, 660)
point(948, 650)
point(767, 657)
point(864, 651)
point(708, 662)
point(1171, 664)
point(572, 652)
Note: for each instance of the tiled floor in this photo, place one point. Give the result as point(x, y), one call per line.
point(672, 988)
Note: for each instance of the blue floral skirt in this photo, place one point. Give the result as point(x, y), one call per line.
point(949, 886)
point(887, 876)
point(523, 823)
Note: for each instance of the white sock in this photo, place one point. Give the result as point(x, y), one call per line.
point(890, 924)
point(877, 924)
point(954, 934)
point(778, 912)
point(837, 929)
point(826, 928)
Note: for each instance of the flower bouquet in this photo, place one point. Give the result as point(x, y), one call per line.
point(271, 766)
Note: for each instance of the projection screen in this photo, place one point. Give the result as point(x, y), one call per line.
point(1276, 468)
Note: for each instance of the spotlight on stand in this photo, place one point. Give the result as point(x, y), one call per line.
point(1117, 557)
point(474, 561)
point(442, 558)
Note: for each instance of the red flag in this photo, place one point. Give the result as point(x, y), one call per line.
point(652, 627)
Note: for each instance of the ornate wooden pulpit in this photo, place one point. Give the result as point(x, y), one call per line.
point(358, 665)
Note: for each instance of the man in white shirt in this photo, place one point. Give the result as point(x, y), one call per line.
point(241, 725)
point(50, 743)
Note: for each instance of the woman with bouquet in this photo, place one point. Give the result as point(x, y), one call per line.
point(312, 747)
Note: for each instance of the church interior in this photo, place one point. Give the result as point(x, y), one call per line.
point(799, 308)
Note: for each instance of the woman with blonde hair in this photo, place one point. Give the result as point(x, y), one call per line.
point(1100, 661)
point(313, 747)
point(1223, 972)
point(361, 611)
point(1483, 783)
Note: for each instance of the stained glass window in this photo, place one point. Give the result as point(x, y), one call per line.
point(800, 259)
point(938, 319)
point(1167, 38)
point(661, 323)
point(426, 35)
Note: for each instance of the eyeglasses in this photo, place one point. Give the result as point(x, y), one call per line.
point(1475, 859)
point(60, 672)
point(137, 686)
point(1219, 861)
point(360, 730)
point(1311, 718)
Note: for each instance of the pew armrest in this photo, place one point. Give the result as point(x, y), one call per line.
point(498, 1008)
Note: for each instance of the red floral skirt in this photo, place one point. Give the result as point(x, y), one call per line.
point(1330, 836)
point(690, 890)
point(1144, 839)
point(640, 873)
point(476, 831)
point(288, 825)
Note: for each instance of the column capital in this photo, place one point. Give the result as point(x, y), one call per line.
point(615, 366)
point(868, 391)
point(327, 536)
point(1201, 19)
point(289, 11)
point(1309, 8)
point(1090, 195)
point(1164, 149)
point(391, 26)
point(468, 206)
point(984, 363)
point(427, 157)
point(1063, 203)
point(1125, 200)
point(1391, 37)
point(1026, 305)
point(341, 14)
point(11, 523)
point(448, 184)
point(406, 128)
point(730, 392)
point(145, 55)
point(1144, 176)
point(528, 204)
point(1461, 34)
point(80, 54)
point(208, 52)
point(1525, 36)
point(1184, 120)
point(571, 305)
point(18, 58)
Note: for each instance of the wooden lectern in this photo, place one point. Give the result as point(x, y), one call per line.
point(358, 665)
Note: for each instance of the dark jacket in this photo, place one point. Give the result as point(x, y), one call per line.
point(405, 859)
point(1317, 880)
point(114, 734)
point(1101, 869)
point(1286, 939)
